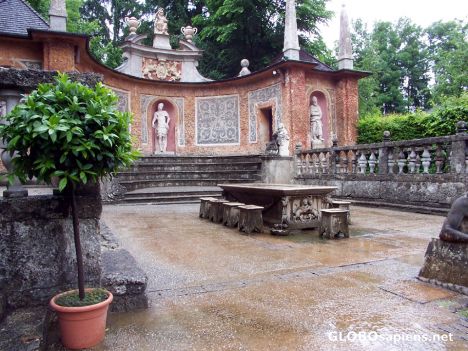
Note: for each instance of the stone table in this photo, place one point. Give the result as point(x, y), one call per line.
point(296, 205)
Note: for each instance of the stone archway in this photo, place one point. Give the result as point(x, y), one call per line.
point(326, 125)
point(172, 110)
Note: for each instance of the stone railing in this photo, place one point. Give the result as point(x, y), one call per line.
point(439, 155)
point(422, 174)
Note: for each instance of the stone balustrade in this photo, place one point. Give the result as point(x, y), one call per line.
point(422, 174)
point(438, 155)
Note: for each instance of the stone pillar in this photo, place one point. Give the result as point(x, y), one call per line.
point(58, 16)
point(345, 53)
point(347, 105)
point(459, 150)
point(291, 39)
point(383, 154)
point(277, 169)
point(12, 98)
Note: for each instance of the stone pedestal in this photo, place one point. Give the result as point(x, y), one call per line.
point(334, 221)
point(250, 219)
point(277, 169)
point(446, 264)
point(161, 41)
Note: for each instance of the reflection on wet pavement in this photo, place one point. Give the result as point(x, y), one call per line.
point(211, 288)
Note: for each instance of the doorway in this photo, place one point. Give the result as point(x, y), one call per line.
point(265, 125)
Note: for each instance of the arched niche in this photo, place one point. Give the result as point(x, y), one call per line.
point(326, 128)
point(173, 112)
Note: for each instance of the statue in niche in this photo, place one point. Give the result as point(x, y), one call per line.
point(455, 227)
point(316, 120)
point(160, 22)
point(160, 122)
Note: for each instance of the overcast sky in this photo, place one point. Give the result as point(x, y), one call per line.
point(422, 12)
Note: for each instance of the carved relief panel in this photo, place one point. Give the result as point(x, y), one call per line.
point(161, 70)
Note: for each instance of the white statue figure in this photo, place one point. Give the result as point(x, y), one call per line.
point(316, 120)
point(161, 121)
point(282, 139)
point(160, 22)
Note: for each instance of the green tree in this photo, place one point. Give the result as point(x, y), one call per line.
point(448, 47)
point(231, 30)
point(70, 132)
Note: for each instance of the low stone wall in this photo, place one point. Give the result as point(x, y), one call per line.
point(37, 253)
point(420, 192)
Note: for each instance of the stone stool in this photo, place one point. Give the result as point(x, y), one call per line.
point(204, 206)
point(344, 205)
point(333, 222)
point(216, 210)
point(250, 219)
point(231, 213)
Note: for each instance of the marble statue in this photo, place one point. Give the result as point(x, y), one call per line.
point(316, 120)
point(455, 227)
point(160, 122)
point(282, 139)
point(160, 23)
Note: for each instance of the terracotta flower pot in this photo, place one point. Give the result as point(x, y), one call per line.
point(82, 327)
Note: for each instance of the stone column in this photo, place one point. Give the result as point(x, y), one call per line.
point(12, 98)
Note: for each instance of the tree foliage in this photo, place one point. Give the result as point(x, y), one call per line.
point(403, 58)
point(254, 29)
point(440, 121)
point(68, 131)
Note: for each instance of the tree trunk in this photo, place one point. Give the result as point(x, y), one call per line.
point(79, 253)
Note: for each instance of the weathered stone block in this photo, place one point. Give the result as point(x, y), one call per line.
point(446, 262)
point(127, 282)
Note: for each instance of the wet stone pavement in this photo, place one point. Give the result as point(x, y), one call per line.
point(211, 288)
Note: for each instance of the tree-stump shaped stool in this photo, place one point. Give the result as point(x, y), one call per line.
point(344, 205)
point(231, 213)
point(334, 222)
point(204, 206)
point(216, 210)
point(250, 219)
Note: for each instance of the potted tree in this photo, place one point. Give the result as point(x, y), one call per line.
point(74, 134)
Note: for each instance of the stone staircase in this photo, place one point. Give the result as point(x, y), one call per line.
point(184, 179)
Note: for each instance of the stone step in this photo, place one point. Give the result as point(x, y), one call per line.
point(141, 184)
point(166, 175)
point(166, 199)
point(167, 195)
point(193, 166)
point(199, 159)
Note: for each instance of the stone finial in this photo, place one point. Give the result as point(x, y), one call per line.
point(133, 23)
point(461, 127)
point(291, 40)
point(345, 52)
point(189, 32)
point(386, 135)
point(245, 68)
point(58, 16)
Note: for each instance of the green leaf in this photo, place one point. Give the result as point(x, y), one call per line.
point(63, 183)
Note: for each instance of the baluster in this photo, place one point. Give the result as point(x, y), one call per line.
point(426, 160)
point(362, 163)
point(323, 162)
point(372, 162)
point(401, 162)
point(299, 165)
point(353, 162)
point(439, 159)
point(412, 161)
point(345, 162)
point(418, 162)
point(316, 164)
point(391, 161)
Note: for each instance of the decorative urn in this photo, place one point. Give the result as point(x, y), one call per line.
point(133, 23)
point(189, 32)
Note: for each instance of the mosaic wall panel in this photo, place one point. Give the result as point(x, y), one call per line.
point(331, 92)
point(217, 120)
point(263, 95)
point(145, 100)
point(123, 104)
